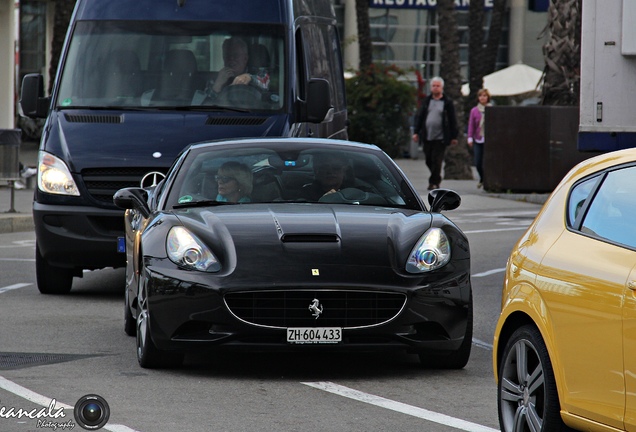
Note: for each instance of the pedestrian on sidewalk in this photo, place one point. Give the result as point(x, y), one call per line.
point(477, 131)
point(436, 127)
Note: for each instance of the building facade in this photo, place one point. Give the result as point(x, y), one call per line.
point(404, 33)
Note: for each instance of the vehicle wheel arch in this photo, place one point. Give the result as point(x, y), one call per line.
point(517, 319)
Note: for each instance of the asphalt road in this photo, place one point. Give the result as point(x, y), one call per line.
point(65, 347)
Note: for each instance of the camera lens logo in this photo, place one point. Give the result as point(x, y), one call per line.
point(91, 412)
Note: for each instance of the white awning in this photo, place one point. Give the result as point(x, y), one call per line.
point(514, 80)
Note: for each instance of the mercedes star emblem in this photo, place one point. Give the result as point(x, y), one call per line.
point(152, 179)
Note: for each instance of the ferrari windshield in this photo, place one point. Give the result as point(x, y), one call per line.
point(137, 64)
point(276, 173)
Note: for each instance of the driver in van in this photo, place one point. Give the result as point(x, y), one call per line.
point(235, 71)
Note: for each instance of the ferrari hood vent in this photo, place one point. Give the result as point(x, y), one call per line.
point(310, 238)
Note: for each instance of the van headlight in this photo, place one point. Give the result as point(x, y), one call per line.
point(54, 176)
point(431, 252)
point(186, 250)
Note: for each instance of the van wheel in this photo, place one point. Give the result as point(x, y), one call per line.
point(51, 279)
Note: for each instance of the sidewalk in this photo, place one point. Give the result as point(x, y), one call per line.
point(15, 215)
point(15, 211)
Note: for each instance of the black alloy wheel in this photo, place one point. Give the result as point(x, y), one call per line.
point(148, 355)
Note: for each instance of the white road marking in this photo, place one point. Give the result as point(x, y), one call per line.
point(44, 401)
point(403, 408)
point(19, 243)
point(29, 395)
point(14, 286)
point(489, 272)
point(18, 259)
point(495, 230)
point(482, 344)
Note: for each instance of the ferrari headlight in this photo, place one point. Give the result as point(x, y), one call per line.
point(54, 176)
point(186, 250)
point(431, 252)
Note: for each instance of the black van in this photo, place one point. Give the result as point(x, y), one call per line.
point(139, 80)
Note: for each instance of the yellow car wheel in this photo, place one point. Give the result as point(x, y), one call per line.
point(527, 394)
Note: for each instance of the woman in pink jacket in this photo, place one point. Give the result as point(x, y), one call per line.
point(476, 131)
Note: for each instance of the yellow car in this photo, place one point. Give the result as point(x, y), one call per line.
point(565, 342)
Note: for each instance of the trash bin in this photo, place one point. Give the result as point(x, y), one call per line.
point(10, 154)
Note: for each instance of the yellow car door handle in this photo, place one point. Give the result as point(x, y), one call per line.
point(631, 285)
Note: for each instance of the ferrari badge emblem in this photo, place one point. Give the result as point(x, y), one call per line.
point(315, 272)
point(316, 308)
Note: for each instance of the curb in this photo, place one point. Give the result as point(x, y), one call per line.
point(16, 222)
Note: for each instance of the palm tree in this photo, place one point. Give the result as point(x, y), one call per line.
point(364, 34)
point(482, 50)
point(562, 54)
point(457, 161)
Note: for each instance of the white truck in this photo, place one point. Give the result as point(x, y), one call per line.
point(608, 75)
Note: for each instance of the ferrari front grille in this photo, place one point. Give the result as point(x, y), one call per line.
point(315, 308)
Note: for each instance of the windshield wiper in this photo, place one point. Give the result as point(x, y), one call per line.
point(202, 203)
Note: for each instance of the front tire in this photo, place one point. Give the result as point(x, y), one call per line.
point(527, 396)
point(148, 355)
point(130, 324)
point(456, 359)
point(51, 279)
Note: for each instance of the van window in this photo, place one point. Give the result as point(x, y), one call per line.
point(322, 51)
point(173, 64)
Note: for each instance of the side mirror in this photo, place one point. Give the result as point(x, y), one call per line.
point(132, 198)
point(32, 100)
point(318, 102)
point(443, 199)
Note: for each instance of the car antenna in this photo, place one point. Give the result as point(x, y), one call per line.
point(181, 3)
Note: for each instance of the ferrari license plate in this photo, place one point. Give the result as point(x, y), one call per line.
point(314, 335)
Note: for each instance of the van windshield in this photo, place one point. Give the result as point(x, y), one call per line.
point(155, 64)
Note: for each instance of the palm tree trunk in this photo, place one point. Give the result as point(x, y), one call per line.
point(494, 35)
point(364, 34)
point(457, 161)
point(562, 53)
point(476, 52)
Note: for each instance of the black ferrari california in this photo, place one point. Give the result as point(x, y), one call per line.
point(311, 244)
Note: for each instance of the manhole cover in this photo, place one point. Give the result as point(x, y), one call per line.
point(24, 360)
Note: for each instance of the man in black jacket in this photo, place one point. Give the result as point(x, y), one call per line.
point(436, 126)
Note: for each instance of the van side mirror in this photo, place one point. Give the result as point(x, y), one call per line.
point(318, 101)
point(32, 100)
